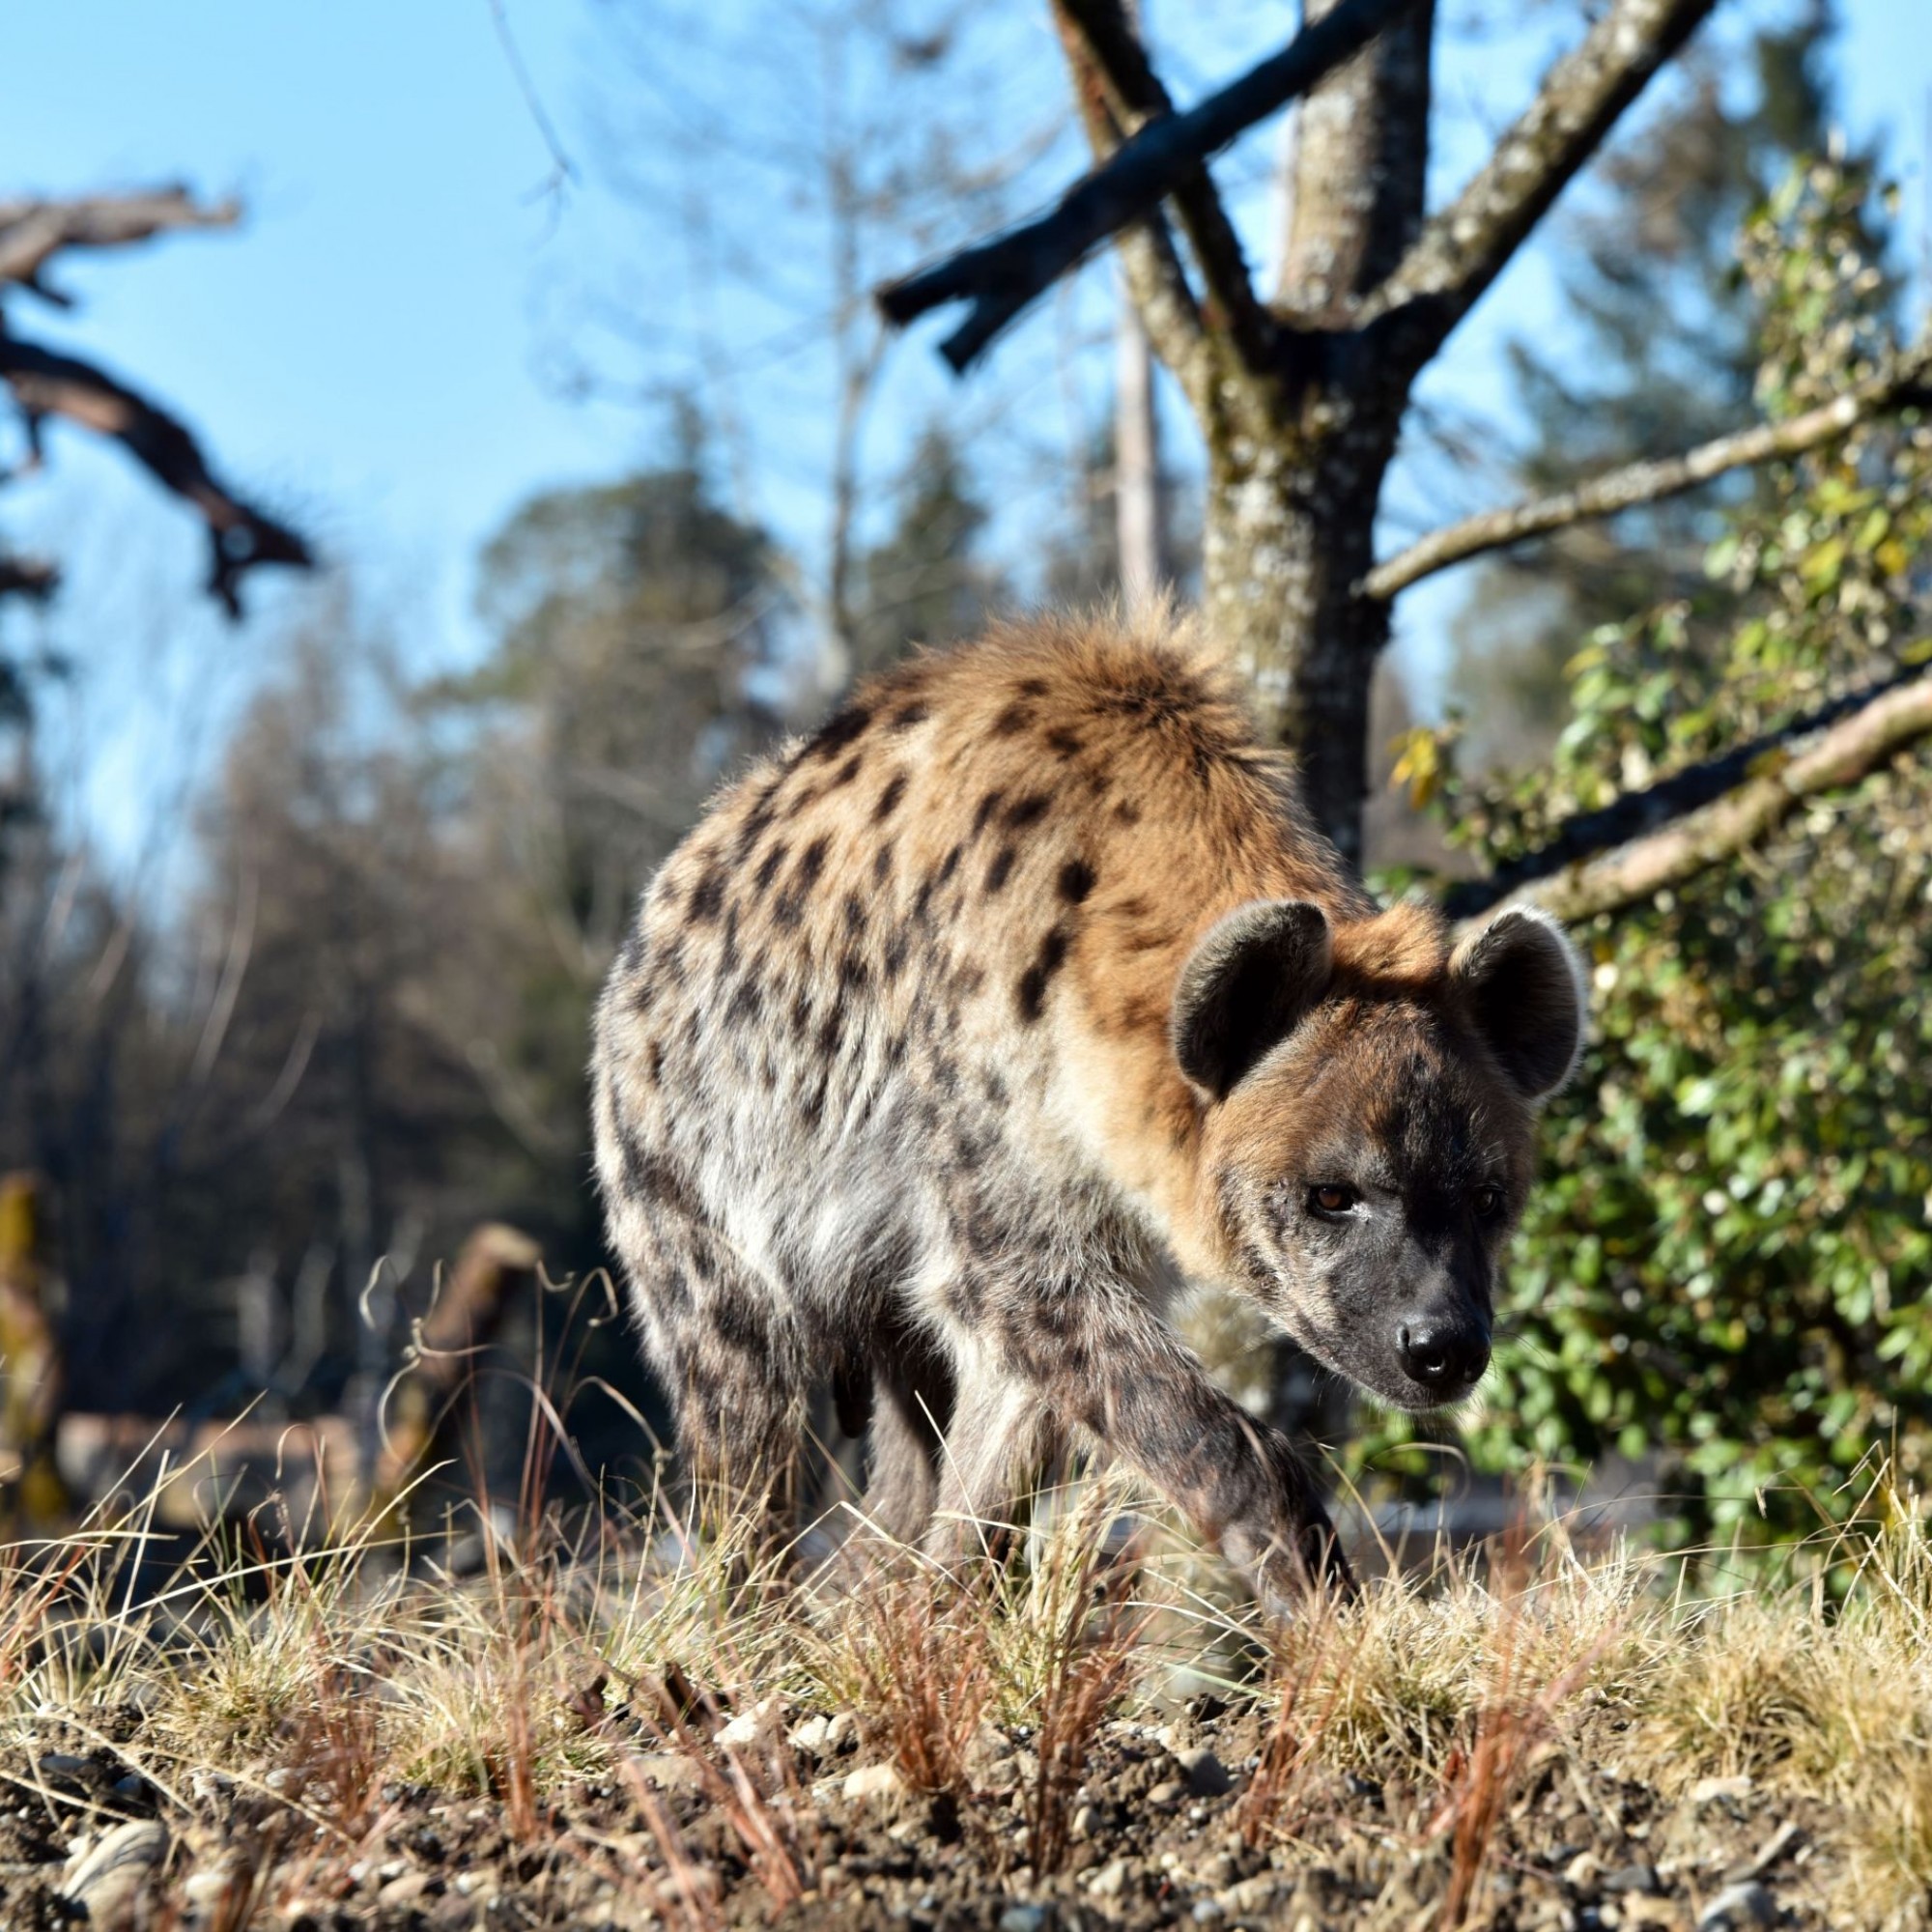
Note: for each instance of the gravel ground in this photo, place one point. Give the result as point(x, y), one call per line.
point(1160, 1831)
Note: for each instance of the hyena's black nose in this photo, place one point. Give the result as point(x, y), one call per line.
point(1447, 1357)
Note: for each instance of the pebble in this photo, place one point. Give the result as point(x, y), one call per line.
point(1207, 1775)
point(873, 1780)
point(668, 1771)
point(1708, 1790)
point(1109, 1882)
point(750, 1727)
point(1024, 1918)
point(1208, 1912)
point(1584, 1871)
point(1631, 1878)
point(1737, 1907)
point(1165, 1795)
point(813, 1736)
point(404, 1890)
point(1085, 1821)
point(107, 1879)
point(61, 1763)
point(1251, 1894)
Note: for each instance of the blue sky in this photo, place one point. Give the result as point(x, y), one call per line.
point(369, 352)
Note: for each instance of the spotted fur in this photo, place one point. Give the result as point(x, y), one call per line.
point(962, 1034)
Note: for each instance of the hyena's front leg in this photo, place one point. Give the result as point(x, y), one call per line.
point(1098, 1356)
point(1001, 1439)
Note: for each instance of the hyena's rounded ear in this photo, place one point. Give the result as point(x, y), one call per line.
point(1523, 986)
point(1253, 974)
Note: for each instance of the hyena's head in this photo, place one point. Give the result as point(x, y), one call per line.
point(1369, 1129)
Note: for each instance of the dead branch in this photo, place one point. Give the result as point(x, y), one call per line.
point(44, 384)
point(28, 577)
point(1464, 248)
point(32, 231)
point(1903, 383)
point(1002, 276)
point(1103, 41)
point(1633, 848)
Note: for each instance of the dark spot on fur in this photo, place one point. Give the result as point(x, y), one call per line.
point(1015, 718)
point(882, 863)
point(1127, 813)
point(909, 715)
point(895, 787)
point(1066, 743)
point(838, 731)
point(768, 866)
point(853, 971)
point(1076, 880)
point(745, 1000)
point(812, 1105)
point(632, 954)
point(897, 948)
point(1001, 868)
point(804, 796)
point(1030, 995)
point(727, 947)
point(707, 897)
point(995, 1088)
point(1033, 686)
point(790, 907)
point(950, 864)
point(1028, 811)
point(855, 913)
point(970, 979)
point(654, 1063)
point(801, 1014)
point(984, 811)
point(830, 1035)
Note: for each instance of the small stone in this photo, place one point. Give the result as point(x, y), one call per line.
point(1086, 1821)
point(873, 1780)
point(813, 1736)
point(1710, 1790)
point(1025, 1917)
point(1208, 1912)
point(1165, 1795)
point(1250, 1894)
point(1631, 1878)
point(842, 1729)
point(1207, 1775)
point(751, 1726)
point(1219, 1872)
point(1737, 1907)
point(108, 1880)
point(404, 1890)
point(1640, 1910)
point(1109, 1882)
point(282, 1782)
point(62, 1764)
point(1584, 1871)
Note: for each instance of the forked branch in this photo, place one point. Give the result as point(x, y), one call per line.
point(241, 537)
point(1647, 840)
point(1464, 248)
point(1000, 277)
point(1906, 381)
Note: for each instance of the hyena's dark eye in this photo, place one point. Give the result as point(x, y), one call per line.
point(1488, 1201)
point(1330, 1200)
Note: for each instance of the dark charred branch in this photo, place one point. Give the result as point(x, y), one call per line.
point(241, 537)
point(33, 231)
point(1669, 831)
point(28, 577)
point(1101, 38)
point(1465, 247)
point(1000, 277)
point(1902, 384)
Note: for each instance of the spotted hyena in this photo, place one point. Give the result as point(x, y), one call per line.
point(959, 1037)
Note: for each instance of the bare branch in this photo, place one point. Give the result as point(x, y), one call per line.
point(241, 537)
point(1902, 382)
point(32, 231)
point(27, 577)
point(1102, 37)
point(1002, 276)
point(1603, 861)
point(1464, 248)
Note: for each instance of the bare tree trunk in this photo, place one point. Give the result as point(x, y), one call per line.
point(1139, 492)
